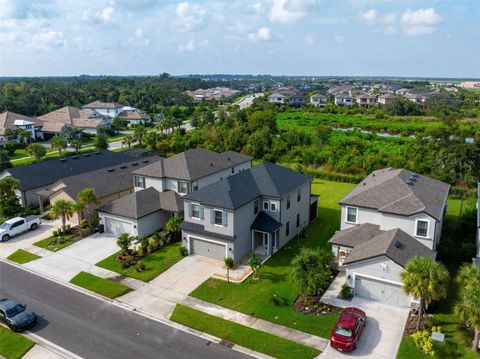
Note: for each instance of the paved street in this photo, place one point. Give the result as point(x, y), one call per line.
point(92, 328)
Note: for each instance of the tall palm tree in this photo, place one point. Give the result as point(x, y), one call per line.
point(468, 276)
point(63, 209)
point(58, 143)
point(173, 226)
point(128, 140)
point(427, 280)
point(468, 311)
point(23, 135)
point(78, 208)
point(139, 134)
point(87, 197)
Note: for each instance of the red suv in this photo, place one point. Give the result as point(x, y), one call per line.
point(349, 328)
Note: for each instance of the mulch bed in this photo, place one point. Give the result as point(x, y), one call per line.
point(312, 305)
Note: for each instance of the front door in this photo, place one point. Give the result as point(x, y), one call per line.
point(265, 242)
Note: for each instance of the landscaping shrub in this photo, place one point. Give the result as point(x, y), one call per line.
point(424, 342)
point(152, 243)
point(346, 291)
point(229, 262)
point(140, 267)
point(183, 251)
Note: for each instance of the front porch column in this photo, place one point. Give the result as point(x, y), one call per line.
point(253, 241)
point(40, 203)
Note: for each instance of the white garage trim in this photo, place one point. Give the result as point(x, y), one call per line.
point(375, 278)
point(109, 220)
point(206, 240)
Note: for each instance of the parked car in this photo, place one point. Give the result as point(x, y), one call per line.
point(15, 315)
point(18, 225)
point(349, 328)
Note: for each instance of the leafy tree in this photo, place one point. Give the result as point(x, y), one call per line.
point(124, 241)
point(255, 265)
point(23, 135)
point(58, 143)
point(37, 151)
point(63, 209)
point(173, 227)
point(468, 276)
point(87, 198)
point(468, 311)
point(9, 202)
point(139, 134)
point(128, 140)
point(78, 208)
point(11, 147)
point(4, 160)
point(312, 270)
point(101, 142)
point(427, 280)
point(69, 133)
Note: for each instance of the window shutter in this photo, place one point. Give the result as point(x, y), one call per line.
point(225, 218)
point(201, 212)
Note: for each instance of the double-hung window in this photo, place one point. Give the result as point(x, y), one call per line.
point(140, 181)
point(422, 228)
point(352, 214)
point(218, 217)
point(273, 206)
point(266, 206)
point(195, 213)
point(182, 187)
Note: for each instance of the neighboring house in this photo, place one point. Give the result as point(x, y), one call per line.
point(109, 183)
point(110, 109)
point(387, 219)
point(258, 210)
point(343, 99)
point(86, 120)
point(386, 99)
point(296, 100)
point(140, 213)
point(38, 176)
point(177, 175)
point(278, 98)
point(133, 116)
point(318, 100)
point(365, 100)
point(476, 260)
point(216, 94)
point(13, 121)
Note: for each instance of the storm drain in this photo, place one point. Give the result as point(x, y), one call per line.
point(226, 343)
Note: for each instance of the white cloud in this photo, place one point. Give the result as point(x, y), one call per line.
point(262, 34)
point(192, 45)
point(420, 22)
point(105, 16)
point(289, 11)
point(339, 39)
point(47, 39)
point(190, 16)
point(368, 16)
point(309, 40)
point(139, 39)
point(389, 21)
point(238, 28)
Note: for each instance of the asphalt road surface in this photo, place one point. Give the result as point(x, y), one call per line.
point(92, 328)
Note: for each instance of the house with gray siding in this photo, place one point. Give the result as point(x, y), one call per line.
point(390, 217)
point(257, 210)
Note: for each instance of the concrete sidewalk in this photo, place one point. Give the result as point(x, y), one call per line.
point(256, 323)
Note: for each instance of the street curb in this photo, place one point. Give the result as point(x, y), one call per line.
point(130, 308)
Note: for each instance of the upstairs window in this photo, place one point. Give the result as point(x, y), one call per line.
point(287, 229)
point(298, 220)
point(422, 228)
point(194, 186)
point(218, 217)
point(266, 206)
point(273, 206)
point(352, 214)
point(140, 181)
point(182, 187)
point(195, 211)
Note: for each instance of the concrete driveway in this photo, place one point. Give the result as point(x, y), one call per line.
point(160, 295)
point(80, 256)
point(26, 240)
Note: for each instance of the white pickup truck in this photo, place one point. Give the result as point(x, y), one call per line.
point(18, 225)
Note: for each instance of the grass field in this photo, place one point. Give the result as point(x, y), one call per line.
point(105, 287)
point(21, 256)
point(155, 263)
point(254, 297)
point(13, 345)
point(247, 337)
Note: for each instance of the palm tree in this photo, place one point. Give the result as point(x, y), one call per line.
point(87, 197)
point(173, 226)
point(128, 140)
point(63, 209)
point(468, 276)
point(23, 135)
point(139, 134)
point(58, 143)
point(468, 311)
point(76, 145)
point(78, 208)
point(427, 280)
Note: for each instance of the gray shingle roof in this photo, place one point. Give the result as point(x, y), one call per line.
point(395, 244)
point(267, 179)
point(265, 223)
point(139, 204)
point(400, 191)
point(193, 164)
point(351, 237)
point(45, 173)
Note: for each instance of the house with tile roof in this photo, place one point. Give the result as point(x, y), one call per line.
point(13, 121)
point(161, 185)
point(257, 210)
point(131, 115)
point(390, 217)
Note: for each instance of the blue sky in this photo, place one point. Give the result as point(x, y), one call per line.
point(427, 38)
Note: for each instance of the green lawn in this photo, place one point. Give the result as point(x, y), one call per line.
point(13, 345)
point(254, 297)
point(21, 256)
point(45, 243)
point(19, 153)
point(105, 287)
point(454, 205)
point(155, 263)
point(247, 337)
point(408, 350)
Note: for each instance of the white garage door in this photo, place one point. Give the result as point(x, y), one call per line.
point(207, 249)
point(117, 226)
point(384, 292)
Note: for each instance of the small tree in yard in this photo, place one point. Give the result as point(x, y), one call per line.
point(76, 145)
point(229, 265)
point(58, 143)
point(9, 203)
point(87, 198)
point(427, 280)
point(62, 209)
point(101, 142)
point(312, 270)
point(173, 227)
point(78, 208)
point(124, 241)
point(37, 151)
point(255, 264)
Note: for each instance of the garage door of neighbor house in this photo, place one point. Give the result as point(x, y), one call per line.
point(207, 249)
point(384, 292)
point(117, 226)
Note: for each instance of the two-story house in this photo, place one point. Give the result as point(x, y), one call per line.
point(159, 187)
point(387, 219)
point(111, 109)
point(343, 99)
point(365, 100)
point(13, 121)
point(258, 210)
point(318, 100)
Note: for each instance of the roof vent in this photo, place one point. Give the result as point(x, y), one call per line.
point(111, 170)
point(211, 164)
point(364, 183)
point(410, 182)
point(123, 167)
point(397, 244)
point(86, 155)
point(75, 158)
point(146, 161)
point(135, 164)
point(228, 158)
point(63, 159)
point(415, 175)
point(412, 178)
